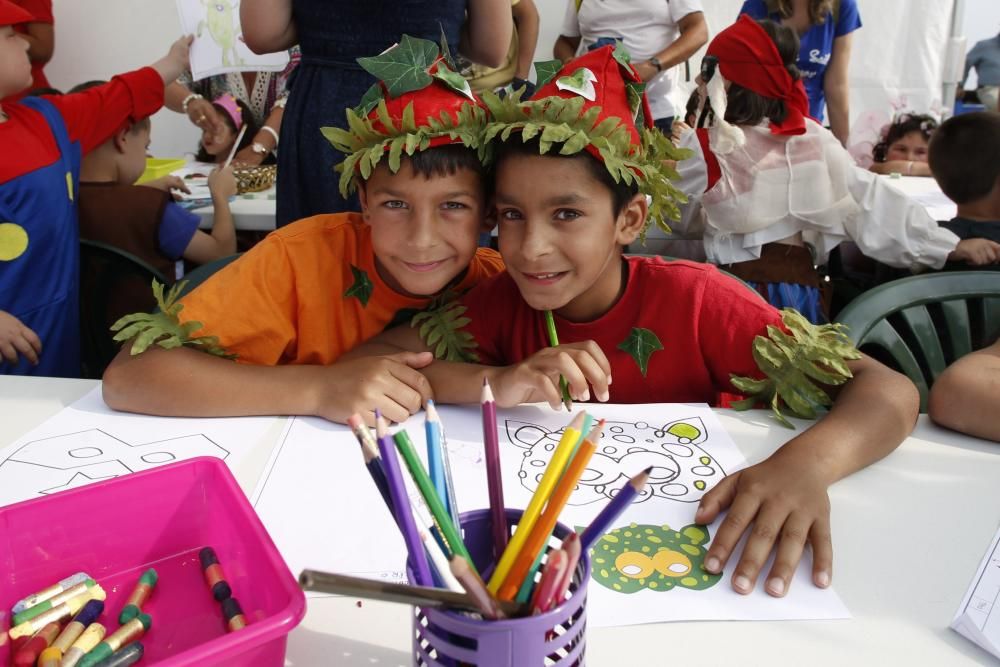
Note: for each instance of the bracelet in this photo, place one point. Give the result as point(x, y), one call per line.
point(280, 104)
point(188, 99)
point(271, 131)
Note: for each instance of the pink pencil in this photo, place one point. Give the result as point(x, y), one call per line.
point(552, 576)
point(493, 479)
point(571, 545)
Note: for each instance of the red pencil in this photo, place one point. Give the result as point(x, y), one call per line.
point(571, 545)
point(552, 576)
point(493, 479)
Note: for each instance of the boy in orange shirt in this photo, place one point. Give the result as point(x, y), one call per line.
point(314, 290)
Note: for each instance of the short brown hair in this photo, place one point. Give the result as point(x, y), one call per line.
point(818, 9)
point(963, 155)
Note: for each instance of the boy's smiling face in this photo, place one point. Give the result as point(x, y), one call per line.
point(559, 235)
point(424, 230)
point(15, 68)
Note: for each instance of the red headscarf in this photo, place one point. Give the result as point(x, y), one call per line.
point(11, 14)
point(748, 57)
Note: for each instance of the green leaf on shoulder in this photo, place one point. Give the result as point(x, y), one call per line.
point(362, 287)
point(640, 345)
point(440, 327)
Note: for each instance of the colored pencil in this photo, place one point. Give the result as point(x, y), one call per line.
point(434, 504)
point(602, 522)
point(494, 480)
point(560, 457)
point(435, 466)
point(236, 144)
point(571, 545)
point(528, 585)
point(550, 326)
point(540, 534)
point(552, 577)
point(369, 449)
point(424, 523)
point(475, 587)
point(449, 482)
point(404, 514)
point(418, 596)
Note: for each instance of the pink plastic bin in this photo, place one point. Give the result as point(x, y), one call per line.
point(159, 518)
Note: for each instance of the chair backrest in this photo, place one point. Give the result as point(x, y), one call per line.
point(202, 273)
point(113, 283)
point(921, 324)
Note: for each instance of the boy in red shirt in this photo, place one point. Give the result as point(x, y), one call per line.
point(43, 140)
point(574, 168)
point(290, 307)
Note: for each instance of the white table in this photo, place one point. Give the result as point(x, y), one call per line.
point(908, 532)
point(251, 212)
point(927, 192)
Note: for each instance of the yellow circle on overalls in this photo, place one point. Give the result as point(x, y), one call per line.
point(13, 241)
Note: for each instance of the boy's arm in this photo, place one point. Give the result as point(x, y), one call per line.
point(485, 37)
point(204, 248)
point(95, 114)
point(183, 382)
point(526, 19)
point(782, 501)
point(965, 399)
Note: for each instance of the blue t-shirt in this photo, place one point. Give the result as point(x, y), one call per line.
point(177, 228)
point(816, 46)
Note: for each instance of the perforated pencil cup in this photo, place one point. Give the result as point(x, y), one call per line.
point(557, 637)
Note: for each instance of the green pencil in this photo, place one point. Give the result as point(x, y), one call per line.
point(423, 480)
point(550, 325)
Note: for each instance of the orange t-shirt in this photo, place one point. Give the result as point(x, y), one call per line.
point(284, 301)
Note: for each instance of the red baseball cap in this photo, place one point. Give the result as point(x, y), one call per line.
point(11, 14)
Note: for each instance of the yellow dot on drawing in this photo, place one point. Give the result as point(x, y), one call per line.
point(13, 241)
point(683, 430)
point(699, 484)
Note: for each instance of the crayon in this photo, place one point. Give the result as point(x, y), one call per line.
point(143, 589)
point(90, 638)
point(233, 613)
point(124, 657)
point(57, 614)
point(124, 635)
point(214, 575)
point(28, 654)
point(33, 599)
point(54, 601)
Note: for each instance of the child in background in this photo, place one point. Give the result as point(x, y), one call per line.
point(964, 157)
point(664, 331)
point(143, 219)
point(903, 146)
point(42, 140)
point(778, 190)
point(293, 305)
point(39, 33)
point(217, 143)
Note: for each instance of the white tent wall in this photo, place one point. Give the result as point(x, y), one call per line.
point(898, 54)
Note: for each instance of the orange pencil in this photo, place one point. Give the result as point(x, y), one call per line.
point(542, 529)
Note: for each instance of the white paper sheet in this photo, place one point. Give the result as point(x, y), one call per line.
point(88, 442)
point(218, 45)
point(978, 617)
point(322, 510)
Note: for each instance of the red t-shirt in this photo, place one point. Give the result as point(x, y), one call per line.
point(91, 117)
point(705, 321)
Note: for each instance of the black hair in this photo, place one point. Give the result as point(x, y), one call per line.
point(963, 156)
point(38, 92)
point(621, 193)
point(744, 106)
point(251, 125)
point(902, 126)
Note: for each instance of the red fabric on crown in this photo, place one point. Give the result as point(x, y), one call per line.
point(749, 58)
point(428, 101)
point(11, 14)
point(609, 88)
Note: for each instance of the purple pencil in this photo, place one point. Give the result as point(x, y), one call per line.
point(613, 509)
point(404, 512)
point(493, 479)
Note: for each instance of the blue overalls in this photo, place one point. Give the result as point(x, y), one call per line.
point(40, 254)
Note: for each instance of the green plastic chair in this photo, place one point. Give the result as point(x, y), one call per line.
point(921, 324)
point(203, 272)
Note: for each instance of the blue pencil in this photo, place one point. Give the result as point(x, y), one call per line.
point(451, 501)
point(369, 448)
point(404, 512)
point(602, 522)
point(435, 455)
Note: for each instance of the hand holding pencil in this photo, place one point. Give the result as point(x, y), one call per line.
point(583, 365)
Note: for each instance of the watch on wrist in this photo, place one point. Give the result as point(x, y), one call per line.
point(655, 62)
point(258, 148)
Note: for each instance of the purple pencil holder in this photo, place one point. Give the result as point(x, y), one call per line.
point(557, 637)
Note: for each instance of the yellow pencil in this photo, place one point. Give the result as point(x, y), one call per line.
point(552, 473)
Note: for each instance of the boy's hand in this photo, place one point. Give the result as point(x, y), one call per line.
point(977, 252)
point(222, 183)
point(172, 65)
point(782, 505)
point(390, 383)
point(16, 338)
point(537, 377)
point(168, 183)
